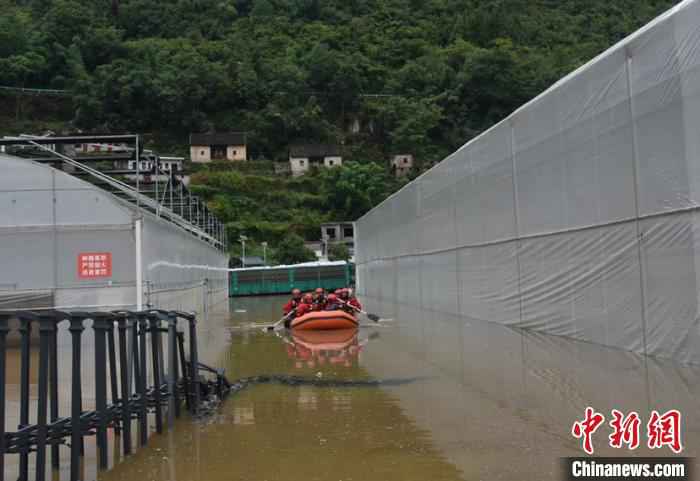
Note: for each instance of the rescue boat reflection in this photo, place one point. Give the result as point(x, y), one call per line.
point(311, 349)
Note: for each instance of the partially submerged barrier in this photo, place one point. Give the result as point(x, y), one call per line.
point(124, 342)
point(256, 281)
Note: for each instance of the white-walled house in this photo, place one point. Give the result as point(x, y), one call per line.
point(402, 164)
point(303, 156)
point(231, 146)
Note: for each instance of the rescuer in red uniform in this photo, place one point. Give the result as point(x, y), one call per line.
point(351, 299)
point(319, 299)
point(293, 302)
point(332, 303)
point(306, 305)
point(345, 297)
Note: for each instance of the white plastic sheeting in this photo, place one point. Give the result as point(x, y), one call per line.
point(48, 217)
point(577, 215)
point(318, 263)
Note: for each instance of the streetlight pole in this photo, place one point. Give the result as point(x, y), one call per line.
point(242, 240)
point(264, 246)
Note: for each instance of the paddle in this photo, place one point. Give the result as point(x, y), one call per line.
point(276, 324)
point(372, 317)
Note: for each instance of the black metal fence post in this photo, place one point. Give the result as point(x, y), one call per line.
point(174, 401)
point(56, 317)
point(157, 383)
point(47, 326)
point(113, 382)
point(194, 366)
point(76, 404)
point(183, 367)
point(135, 370)
point(25, 319)
point(4, 329)
point(143, 373)
point(101, 322)
point(126, 388)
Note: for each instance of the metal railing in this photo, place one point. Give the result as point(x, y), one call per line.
point(193, 215)
point(124, 341)
point(140, 199)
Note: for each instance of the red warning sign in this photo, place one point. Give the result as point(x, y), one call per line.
point(94, 265)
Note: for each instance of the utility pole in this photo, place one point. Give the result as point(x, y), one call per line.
point(242, 240)
point(264, 246)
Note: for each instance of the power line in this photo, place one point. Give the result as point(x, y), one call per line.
point(54, 92)
point(360, 95)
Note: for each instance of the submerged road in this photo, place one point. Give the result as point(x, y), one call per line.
point(474, 401)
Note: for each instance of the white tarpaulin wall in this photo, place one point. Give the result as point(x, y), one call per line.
point(576, 216)
point(48, 217)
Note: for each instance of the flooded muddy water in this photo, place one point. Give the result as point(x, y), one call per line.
point(279, 432)
point(462, 400)
point(482, 402)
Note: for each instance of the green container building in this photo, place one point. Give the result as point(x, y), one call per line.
point(281, 280)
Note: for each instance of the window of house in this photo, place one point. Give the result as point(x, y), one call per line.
point(234, 152)
point(347, 232)
point(330, 162)
point(330, 232)
point(405, 160)
point(201, 152)
point(301, 163)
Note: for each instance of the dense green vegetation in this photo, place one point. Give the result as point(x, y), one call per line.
point(378, 76)
point(291, 250)
point(270, 208)
point(338, 252)
point(286, 70)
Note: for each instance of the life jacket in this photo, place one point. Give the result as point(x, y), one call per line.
point(291, 305)
point(303, 309)
point(333, 306)
point(355, 303)
point(320, 304)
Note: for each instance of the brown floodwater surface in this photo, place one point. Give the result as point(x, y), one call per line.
point(462, 400)
point(276, 432)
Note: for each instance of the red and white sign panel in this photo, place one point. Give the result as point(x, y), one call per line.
point(94, 265)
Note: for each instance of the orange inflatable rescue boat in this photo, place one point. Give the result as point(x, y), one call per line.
point(324, 321)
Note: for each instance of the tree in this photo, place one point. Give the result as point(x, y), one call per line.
point(262, 8)
point(14, 32)
point(21, 69)
point(353, 189)
point(161, 82)
point(416, 76)
point(338, 252)
point(293, 251)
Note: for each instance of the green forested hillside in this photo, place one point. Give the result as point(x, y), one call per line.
point(286, 70)
point(269, 208)
point(378, 76)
